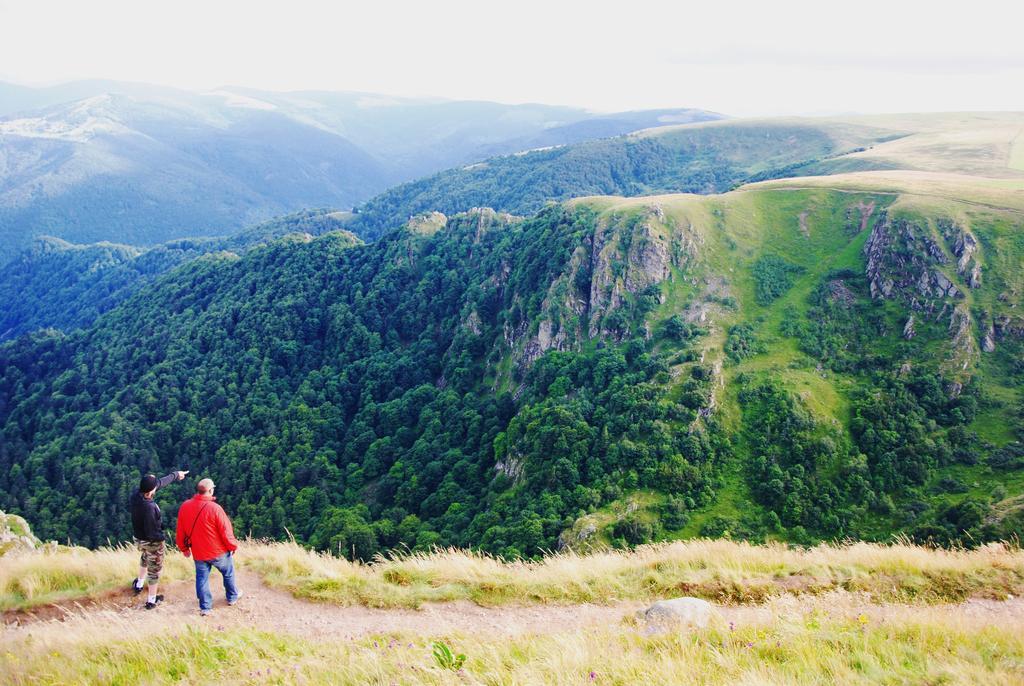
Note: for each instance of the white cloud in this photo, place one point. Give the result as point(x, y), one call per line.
point(736, 57)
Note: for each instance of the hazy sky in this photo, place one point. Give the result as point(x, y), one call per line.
point(741, 58)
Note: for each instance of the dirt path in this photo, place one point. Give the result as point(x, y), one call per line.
point(803, 223)
point(866, 209)
point(276, 611)
point(268, 609)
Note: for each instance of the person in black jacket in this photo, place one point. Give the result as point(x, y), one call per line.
point(148, 530)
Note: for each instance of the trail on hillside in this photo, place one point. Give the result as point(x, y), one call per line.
point(267, 609)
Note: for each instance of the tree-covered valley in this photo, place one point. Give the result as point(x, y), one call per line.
point(774, 363)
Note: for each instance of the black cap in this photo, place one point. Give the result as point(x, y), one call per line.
point(147, 484)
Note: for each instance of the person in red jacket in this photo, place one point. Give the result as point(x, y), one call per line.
point(205, 533)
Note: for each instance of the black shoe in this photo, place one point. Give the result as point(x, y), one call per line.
point(150, 606)
point(136, 587)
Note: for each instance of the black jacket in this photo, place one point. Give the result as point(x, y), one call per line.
point(147, 524)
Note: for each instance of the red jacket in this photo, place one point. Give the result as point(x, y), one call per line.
point(208, 526)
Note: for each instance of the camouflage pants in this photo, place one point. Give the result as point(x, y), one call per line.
point(152, 558)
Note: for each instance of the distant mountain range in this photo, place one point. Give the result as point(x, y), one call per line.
point(98, 160)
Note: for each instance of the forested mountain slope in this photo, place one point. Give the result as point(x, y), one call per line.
point(709, 157)
point(792, 362)
point(59, 285)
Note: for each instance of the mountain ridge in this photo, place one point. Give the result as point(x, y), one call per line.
point(710, 157)
point(144, 164)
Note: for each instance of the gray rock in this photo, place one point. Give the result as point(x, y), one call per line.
point(943, 283)
point(644, 255)
point(962, 242)
point(841, 294)
point(581, 537)
point(923, 284)
point(1009, 326)
point(902, 263)
point(511, 467)
point(908, 328)
point(666, 615)
point(974, 280)
point(933, 250)
point(964, 345)
point(988, 343)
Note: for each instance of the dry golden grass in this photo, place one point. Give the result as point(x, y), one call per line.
point(975, 143)
point(49, 576)
point(720, 570)
point(793, 648)
point(716, 569)
point(992, 193)
point(1016, 159)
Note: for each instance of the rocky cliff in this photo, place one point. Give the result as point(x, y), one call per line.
point(15, 535)
point(626, 255)
point(931, 272)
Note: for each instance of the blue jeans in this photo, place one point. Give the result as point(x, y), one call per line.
point(226, 567)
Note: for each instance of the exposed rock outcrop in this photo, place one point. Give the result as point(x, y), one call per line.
point(627, 254)
point(427, 224)
point(1005, 326)
point(908, 328)
point(964, 245)
point(906, 263)
point(903, 262)
point(581, 537)
point(15, 535)
point(564, 309)
point(974, 278)
point(472, 323)
point(964, 347)
point(840, 293)
point(988, 342)
point(511, 467)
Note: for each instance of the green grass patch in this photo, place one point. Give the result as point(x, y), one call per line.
point(793, 648)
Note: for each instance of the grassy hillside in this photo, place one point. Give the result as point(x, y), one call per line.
point(819, 343)
point(710, 157)
point(973, 143)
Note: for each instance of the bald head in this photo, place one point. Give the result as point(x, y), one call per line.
point(205, 487)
